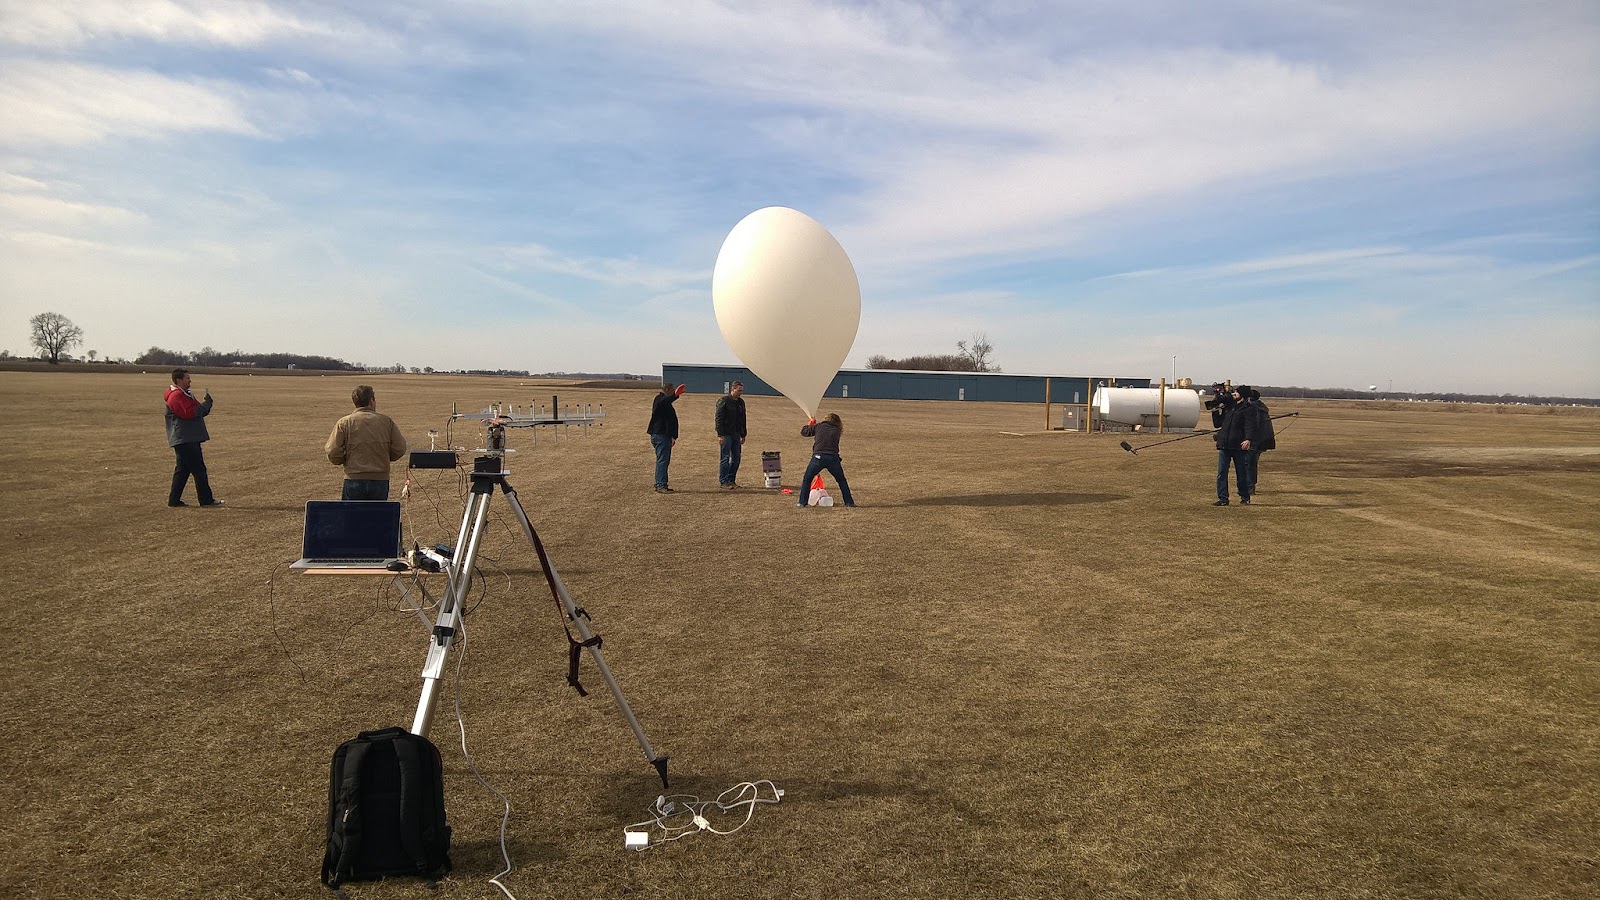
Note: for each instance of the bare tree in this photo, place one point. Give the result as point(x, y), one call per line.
point(978, 352)
point(54, 334)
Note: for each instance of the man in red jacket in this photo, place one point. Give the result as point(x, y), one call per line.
point(186, 431)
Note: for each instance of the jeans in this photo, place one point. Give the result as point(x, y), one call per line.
point(1255, 469)
point(728, 464)
point(191, 461)
point(1241, 473)
point(663, 445)
point(835, 467)
point(366, 489)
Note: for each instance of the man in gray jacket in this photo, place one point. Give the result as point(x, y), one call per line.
point(186, 431)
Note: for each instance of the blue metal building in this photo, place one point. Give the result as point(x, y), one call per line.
point(894, 384)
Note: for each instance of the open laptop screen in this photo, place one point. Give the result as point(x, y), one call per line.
point(352, 529)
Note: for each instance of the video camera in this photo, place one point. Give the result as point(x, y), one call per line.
point(1221, 397)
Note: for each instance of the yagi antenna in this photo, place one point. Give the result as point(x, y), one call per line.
point(497, 417)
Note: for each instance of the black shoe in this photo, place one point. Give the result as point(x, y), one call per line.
point(176, 503)
point(213, 503)
point(662, 490)
point(1220, 503)
point(1245, 501)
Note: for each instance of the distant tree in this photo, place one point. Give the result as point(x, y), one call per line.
point(973, 358)
point(93, 354)
point(54, 334)
point(156, 356)
point(946, 362)
point(978, 352)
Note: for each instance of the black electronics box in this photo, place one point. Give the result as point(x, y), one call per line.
point(433, 459)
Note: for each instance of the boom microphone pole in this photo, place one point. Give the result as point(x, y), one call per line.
point(1128, 447)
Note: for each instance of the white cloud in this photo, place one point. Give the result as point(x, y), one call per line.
point(10, 181)
point(34, 208)
point(68, 103)
point(609, 271)
point(69, 24)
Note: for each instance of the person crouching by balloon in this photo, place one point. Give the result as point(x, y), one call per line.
point(663, 430)
point(825, 455)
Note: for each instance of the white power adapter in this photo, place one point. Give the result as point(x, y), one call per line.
point(636, 840)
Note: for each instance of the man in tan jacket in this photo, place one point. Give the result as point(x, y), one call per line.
point(365, 443)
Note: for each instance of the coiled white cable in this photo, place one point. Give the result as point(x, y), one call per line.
point(675, 816)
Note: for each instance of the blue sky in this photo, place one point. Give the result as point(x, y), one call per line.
point(1278, 192)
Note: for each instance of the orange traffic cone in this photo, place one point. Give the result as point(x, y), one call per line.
point(818, 495)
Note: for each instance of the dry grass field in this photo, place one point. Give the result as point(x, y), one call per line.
point(1029, 665)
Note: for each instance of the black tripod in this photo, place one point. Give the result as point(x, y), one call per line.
point(488, 474)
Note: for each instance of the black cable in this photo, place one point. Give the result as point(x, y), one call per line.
point(272, 620)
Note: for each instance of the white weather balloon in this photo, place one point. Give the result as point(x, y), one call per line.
point(787, 301)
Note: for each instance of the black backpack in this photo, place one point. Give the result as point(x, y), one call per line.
point(386, 809)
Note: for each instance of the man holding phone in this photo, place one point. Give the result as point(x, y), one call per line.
point(186, 431)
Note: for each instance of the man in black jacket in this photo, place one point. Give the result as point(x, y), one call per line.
point(730, 434)
point(1264, 438)
point(663, 431)
point(1234, 439)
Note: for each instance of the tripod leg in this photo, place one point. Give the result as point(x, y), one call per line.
point(582, 624)
point(449, 621)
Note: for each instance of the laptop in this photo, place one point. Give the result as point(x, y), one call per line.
point(350, 537)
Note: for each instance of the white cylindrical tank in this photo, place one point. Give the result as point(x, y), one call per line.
point(1142, 406)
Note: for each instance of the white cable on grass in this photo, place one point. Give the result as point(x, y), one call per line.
point(680, 815)
point(505, 817)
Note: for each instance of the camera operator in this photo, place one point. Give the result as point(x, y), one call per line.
point(1235, 436)
point(1219, 403)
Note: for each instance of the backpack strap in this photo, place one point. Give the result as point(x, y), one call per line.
point(414, 789)
point(344, 814)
